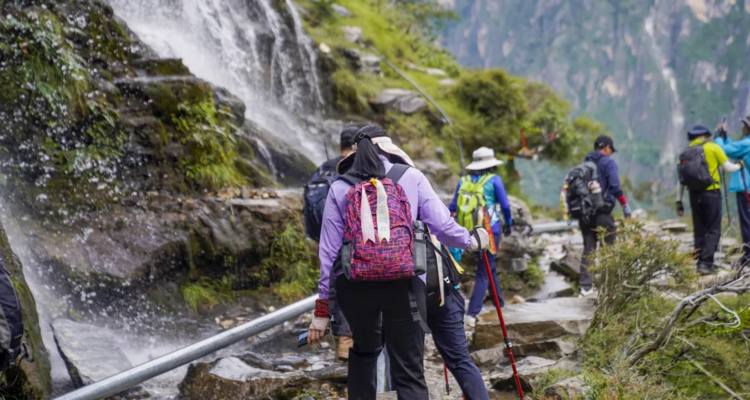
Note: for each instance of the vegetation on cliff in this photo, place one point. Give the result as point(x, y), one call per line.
point(488, 107)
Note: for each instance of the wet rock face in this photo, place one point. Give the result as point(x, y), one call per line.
point(133, 260)
point(91, 354)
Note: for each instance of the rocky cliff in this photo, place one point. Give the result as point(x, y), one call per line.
point(648, 69)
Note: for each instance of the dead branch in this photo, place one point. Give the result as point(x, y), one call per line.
point(697, 297)
point(717, 382)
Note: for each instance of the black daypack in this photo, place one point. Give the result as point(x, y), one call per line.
point(316, 193)
point(693, 169)
point(11, 320)
point(581, 204)
point(440, 273)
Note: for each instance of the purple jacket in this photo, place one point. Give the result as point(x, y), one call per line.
point(423, 200)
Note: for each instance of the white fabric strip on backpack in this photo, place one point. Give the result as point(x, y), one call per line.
point(365, 217)
point(384, 218)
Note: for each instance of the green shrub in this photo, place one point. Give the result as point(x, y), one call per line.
point(292, 264)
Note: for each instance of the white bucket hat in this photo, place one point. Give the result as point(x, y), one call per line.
point(483, 158)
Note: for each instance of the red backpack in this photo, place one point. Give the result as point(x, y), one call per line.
point(369, 260)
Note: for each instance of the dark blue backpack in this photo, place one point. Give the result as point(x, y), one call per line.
point(11, 320)
point(316, 193)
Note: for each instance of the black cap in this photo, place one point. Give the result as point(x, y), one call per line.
point(347, 137)
point(603, 141)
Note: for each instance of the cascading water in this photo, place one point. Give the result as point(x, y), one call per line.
point(247, 46)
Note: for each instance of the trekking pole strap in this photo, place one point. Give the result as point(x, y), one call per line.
point(414, 306)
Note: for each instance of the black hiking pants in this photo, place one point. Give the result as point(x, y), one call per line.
point(743, 211)
point(590, 232)
point(706, 209)
point(363, 304)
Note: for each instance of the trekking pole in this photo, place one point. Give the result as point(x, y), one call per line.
point(726, 196)
point(325, 146)
point(502, 324)
point(447, 385)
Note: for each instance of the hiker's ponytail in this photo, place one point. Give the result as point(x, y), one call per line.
point(367, 164)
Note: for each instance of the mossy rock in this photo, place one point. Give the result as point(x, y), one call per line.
point(160, 67)
point(30, 381)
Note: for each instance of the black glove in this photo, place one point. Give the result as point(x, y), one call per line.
point(720, 132)
point(680, 209)
point(507, 230)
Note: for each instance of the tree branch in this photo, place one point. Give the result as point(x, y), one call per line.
point(692, 299)
point(716, 381)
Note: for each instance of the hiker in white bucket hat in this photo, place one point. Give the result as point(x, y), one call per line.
point(476, 202)
point(483, 158)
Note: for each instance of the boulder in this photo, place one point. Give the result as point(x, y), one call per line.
point(535, 322)
point(570, 265)
point(91, 354)
point(519, 210)
point(516, 264)
point(488, 357)
point(336, 373)
point(513, 246)
point(369, 63)
point(552, 349)
point(401, 100)
point(674, 226)
point(352, 33)
point(448, 82)
point(571, 388)
point(434, 170)
point(530, 369)
point(341, 10)
point(231, 378)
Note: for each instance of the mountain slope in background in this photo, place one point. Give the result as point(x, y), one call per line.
point(647, 68)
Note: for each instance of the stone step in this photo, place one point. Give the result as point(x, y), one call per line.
point(529, 371)
point(535, 322)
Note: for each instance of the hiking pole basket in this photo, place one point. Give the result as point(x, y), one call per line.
point(508, 345)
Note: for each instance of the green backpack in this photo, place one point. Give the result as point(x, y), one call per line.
point(471, 201)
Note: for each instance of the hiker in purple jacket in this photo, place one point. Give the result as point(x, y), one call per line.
point(363, 303)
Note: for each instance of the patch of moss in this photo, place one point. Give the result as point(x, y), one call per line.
point(206, 292)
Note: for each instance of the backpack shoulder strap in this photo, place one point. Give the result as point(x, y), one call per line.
point(350, 179)
point(397, 171)
point(483, 181)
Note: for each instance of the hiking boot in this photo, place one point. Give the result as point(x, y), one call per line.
point(706, 270)
point(470, 321)
point(586, 292)
point(342, 350)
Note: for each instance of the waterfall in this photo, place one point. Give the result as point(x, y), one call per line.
point(258, 53)
point(674, 136)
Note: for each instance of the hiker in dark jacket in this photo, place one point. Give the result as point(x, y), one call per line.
point(345, 145)
point(340, 327)
point(609, 181)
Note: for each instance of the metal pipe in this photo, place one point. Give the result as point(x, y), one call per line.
point(127, 379)
point(554, 227)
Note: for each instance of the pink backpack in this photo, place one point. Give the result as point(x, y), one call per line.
point(368, 258)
